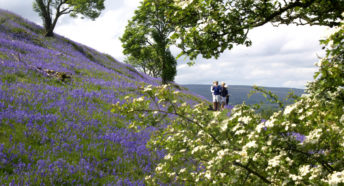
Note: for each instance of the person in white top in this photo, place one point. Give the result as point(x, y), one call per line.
point(215, 90)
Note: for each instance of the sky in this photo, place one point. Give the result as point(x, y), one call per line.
point(281, 56)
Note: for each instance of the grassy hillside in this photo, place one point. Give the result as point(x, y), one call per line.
point(55, 121)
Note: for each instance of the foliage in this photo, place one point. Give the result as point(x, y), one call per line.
point(146, 40)
point(210, 27)
point(147, 61)
point(51, 10)
point(301, 145)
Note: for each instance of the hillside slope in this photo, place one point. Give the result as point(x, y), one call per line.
point(55, 121)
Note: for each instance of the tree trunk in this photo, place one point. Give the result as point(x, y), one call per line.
point(49, 32)
point(49, 26)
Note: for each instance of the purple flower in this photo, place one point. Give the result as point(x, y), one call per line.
point(299, 137)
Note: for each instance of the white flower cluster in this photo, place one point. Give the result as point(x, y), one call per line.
point(245, 119)
point(251, 144)
point(183, 3)
point(260, 127)
point(313, 136)
point(148, 88)
point(275, 161)
point(335, 178)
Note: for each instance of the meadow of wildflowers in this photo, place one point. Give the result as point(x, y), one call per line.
point(111, 125)
point(56, 132)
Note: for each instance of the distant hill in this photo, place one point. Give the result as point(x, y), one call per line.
point(239, 93)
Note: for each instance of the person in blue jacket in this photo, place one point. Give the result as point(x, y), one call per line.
point(216, 92)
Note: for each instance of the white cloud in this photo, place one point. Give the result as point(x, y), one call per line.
point(103, 33)
point(280, 56)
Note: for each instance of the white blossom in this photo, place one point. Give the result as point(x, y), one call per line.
point(313, 136)
point(183, 3)
point(274, 162)
point(336, 178)
point(240, 132)
point(224, 125)
point(182, 170)
point(245, 119)
point(270, 123)
point(255, 157)
point(171, 174)
point(159, 167)
point(319, 63)
point(222, 153)
point(198, 148)
point(224, 142)
point(259, 127)
point(315, 172)
point(236, 127)
point(341, 119)
point(176, 92)
point(147, 88)
point(216, 114)
point(295, 177)
point(148, 177)
point(302, 117)
point(304, 170)
point(168, 156)
point(207, 174)
point(251, 144)
point(289, 109)
point(140, 99)
point(222, 175)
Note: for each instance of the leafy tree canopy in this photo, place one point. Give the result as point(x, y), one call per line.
point(146, 39)
point(209, 27)
point(51, 10)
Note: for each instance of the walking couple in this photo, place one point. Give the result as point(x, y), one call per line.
point(220, 95)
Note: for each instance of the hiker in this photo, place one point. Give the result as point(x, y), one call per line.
point(212, 95)
point(224, 95)
point(215, 90)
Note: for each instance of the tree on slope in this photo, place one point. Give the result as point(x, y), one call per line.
point(146, 39)
point(210, 27)
point(51, 10)
point(140, 52)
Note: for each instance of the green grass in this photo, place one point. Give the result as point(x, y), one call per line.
point(3, 56)
point(81, 49)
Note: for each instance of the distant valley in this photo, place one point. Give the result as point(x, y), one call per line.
point(239, 93)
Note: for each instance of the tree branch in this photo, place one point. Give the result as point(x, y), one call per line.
point(183, 117)
point(282, 10)
point(252, 171)
point(328, 167)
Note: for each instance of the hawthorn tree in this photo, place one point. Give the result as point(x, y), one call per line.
point(210, 27)
point(302, 144)
point(51, 10)
point(146, 39)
